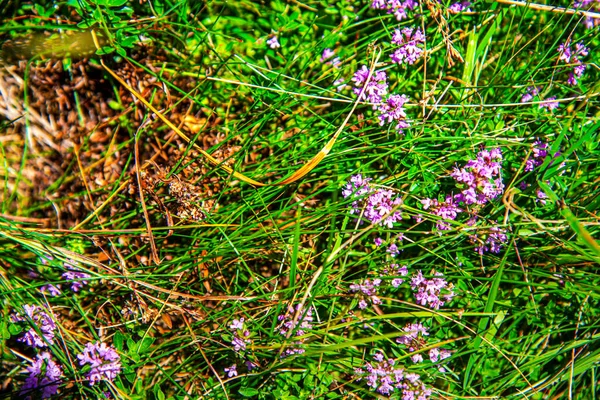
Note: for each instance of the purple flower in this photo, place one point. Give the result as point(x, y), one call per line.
point(429, 291)
point(492, 239)
point(377, 206)
point(297, 328)
point(539, 152)
point(231, 371)
point(240, 335)
point(372, 89)
point(530, 93)
point(77, 279)
point(367, 290)
point(237, 324)
point(42, 322)
point(393, 250)
point(397, 7)
point(52, 290)
point(549, 104)
point(460, 6)
point(44, 374)
point(437, 354)
point(104, 361)
point(378, 242)
point(393, 110)
point(326, 58)
point(414, 333)
point(395, 270)
point(480, 178)
point(573, 56)
point(447, 210)
point(410, 42)
point(541, 197)
point(385, 377)
point(273, 42)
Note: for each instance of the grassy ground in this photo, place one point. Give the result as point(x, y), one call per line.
point(188, 183)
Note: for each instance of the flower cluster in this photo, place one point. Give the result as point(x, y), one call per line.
point(296, 328)
point(104, 361)
point(273, 42)
point(397, 7)
point(414, 340)
point(411, 42)
point(448, 210)
point(573, 57)
point(240, 335)
point(491, 239)
point(532, 91)
point(540, 152)
point(480, 178)
point(231, 371)
point(375, 204)
point(43, 323)
point(391, 109)
point(429, 291)
point(369, 289)
point(77, 278)
point(385, 378)
point(460, 6)
point(328, 58)
point(395, 270)
point(590, 5)
point(44, 374)
point(372, 89)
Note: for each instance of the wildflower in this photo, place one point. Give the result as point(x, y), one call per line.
point(326, 57)
point(480, 178)
point(397, 7)
point(52, 290)
point(340, 84)
point(393, 110)
point(448, 210)
point(540, 152)
point(327, 54)
point(378, 204)
point(231, 371)
point(42, 322)
point(541, 197)
point(372, 89)
point(378, 242)
point(493, 239)
point(240, 335)
point(411, 42)
point(437, 355)
point(44, 374)
point(367, 288)
point(429, 291)
point(414, 333)
point(273, 42)
point(573, 56)
point(76, 278)
point(104, 361)
point(297, 328)
point(393, 250)
point(397, 270)
point(460, 6)
point(385, 377)
point(530, 93)
point(549, 104)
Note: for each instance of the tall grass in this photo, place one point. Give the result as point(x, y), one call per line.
point(187, 270)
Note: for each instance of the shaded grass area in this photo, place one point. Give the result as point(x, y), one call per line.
point(176, 250)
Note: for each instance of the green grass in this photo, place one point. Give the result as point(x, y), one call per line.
point(524, 323)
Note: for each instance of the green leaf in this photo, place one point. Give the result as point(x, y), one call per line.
point(248, 392)
point(118, 340)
